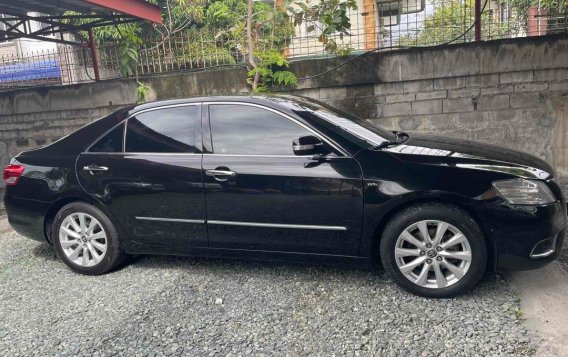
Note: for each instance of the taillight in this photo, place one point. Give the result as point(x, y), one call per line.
point(12, 174)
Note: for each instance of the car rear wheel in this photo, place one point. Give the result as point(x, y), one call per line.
point(86, 240)
point(434, 250)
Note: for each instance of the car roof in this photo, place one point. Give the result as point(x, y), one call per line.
point(270, 100)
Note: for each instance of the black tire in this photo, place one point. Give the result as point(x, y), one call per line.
point(114, 255)
point(436, 212)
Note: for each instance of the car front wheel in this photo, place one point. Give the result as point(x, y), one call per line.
point(86, 240)
point(434, 250)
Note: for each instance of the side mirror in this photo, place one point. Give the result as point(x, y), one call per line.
point(308, 145)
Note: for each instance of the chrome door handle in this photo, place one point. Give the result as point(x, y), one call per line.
point(95, 168)
point(220, 173)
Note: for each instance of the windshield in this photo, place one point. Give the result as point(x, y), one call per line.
point(350, 126)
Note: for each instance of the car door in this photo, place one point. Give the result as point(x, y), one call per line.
point(151, 181)
point(260, 196)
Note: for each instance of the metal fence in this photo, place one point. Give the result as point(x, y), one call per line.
point(63, 65)
point(188, 51)
point(385, 24)
point(394, 24)
point(191, 50)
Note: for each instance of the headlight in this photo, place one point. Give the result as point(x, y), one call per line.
point(524, 192)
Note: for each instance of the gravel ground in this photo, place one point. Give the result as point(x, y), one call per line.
point(2, 208)
point(563, 256)
point(203, 307)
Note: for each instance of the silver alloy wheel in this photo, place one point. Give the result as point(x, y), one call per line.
point(83, 239)
point(433, 254)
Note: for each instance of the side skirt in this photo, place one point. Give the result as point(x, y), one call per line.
point(261, 255)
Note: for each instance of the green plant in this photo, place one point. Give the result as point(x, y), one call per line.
point(128, 39)
point(272, 69)
point(516, 312)
point(128, 60)
point(328, 17)
point(219, 30)
point(126, 36)
point(142, 91)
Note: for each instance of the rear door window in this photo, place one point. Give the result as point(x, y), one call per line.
point(167, 130)
point(111, 142)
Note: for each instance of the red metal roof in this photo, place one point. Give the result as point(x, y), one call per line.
point(139, 9)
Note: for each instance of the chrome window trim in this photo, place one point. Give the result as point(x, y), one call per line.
point(321, 136)
point(164, 153)
point(284, 156)
point(124, 135)
point(206, 154)
point(163, 107)
point(198, 221)
point(145, 153)
point(277, 225)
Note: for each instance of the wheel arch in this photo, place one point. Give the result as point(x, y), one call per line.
point(60, 203)
point(377, 231)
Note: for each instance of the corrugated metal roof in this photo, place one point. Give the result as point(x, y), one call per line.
point(135, 8)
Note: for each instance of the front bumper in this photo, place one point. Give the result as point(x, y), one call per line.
point(524, 237)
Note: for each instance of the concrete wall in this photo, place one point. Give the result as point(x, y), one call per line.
point(38, 116)
point(513, 93)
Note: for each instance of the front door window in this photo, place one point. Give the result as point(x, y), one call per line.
point(247, 130)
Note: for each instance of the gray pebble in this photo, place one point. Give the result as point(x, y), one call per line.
point(160, 306)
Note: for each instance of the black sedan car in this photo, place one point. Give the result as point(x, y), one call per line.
point(282, 177)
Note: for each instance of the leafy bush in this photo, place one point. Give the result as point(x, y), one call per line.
point(272, 68)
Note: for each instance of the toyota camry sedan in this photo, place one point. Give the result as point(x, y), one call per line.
point(283, 177)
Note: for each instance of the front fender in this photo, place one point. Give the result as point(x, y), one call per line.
point(378, 211)
point(391, 184)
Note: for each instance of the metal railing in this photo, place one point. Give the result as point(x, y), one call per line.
point(38, 67)
point(394, 24)
point(385, 24)
point(187, 51)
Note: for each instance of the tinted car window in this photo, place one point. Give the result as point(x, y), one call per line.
point(340, 122)
point(111, 142)
point(246, 130)
point(168, 130)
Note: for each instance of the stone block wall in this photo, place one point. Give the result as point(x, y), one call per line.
point(33, 117)
point(509, 93)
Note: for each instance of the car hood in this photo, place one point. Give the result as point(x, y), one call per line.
point(427, 149)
